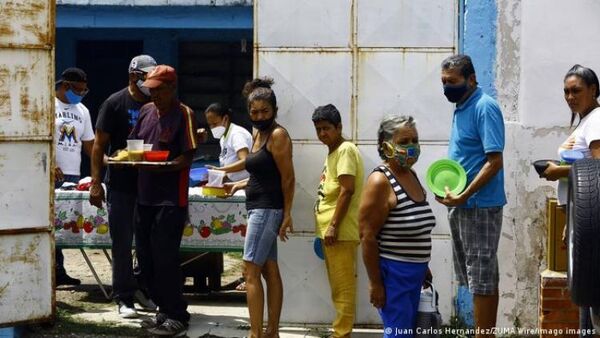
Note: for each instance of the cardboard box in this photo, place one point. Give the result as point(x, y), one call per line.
point(556, 220)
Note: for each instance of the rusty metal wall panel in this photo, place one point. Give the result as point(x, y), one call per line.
point(406, 23)
point(26, 158)
point(406, 83)
point(25, 277)
point(303, 23)
point(26, 23)
point(26, 102)
point(306, 80)
point(25, 178)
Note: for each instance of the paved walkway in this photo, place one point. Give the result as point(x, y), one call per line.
point(225, 317)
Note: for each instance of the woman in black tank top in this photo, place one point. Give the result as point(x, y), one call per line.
point(269, 195)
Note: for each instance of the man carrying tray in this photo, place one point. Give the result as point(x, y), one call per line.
point(162, 204)
point(116, 118)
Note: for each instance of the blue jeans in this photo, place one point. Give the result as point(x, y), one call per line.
point(58, 255)
point(261, 235)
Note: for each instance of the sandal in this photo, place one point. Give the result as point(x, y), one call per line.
point(241, 287)
point(233, 285)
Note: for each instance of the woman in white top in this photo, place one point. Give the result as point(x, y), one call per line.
point(581, 93)
point(234, 140)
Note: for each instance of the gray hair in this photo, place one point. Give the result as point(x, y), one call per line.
point(388, 126)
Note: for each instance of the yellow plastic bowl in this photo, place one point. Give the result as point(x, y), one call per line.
point(212, 191)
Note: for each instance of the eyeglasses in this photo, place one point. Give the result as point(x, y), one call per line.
point(78, 92)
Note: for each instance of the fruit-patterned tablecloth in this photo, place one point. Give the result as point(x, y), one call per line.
point(215, 224)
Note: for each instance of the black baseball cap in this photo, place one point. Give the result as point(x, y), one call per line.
point(72, 74)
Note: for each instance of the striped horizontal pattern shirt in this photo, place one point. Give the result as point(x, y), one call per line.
point(406, 234)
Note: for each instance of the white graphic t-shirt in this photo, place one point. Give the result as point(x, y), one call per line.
point(586, 132)
point(237, 138)
point(73, 125)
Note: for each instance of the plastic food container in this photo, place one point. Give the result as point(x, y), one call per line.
point(135, 150)
point(213, 191)
point(156, 155)
point(570, 156)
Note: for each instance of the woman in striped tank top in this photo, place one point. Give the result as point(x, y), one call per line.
point(395, 223)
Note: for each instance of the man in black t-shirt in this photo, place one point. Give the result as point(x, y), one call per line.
point(116, 118)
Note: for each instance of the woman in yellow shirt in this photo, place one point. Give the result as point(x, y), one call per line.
point(336, 214)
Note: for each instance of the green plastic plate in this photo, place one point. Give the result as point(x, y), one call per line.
point(446, 173)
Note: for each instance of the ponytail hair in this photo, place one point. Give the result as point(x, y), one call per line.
point(260, 89)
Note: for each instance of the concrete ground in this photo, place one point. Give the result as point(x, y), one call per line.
point(224, 316)
point(220, 314)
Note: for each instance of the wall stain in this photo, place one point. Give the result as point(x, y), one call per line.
point(23, 255)
point(3, 289)
point(40, 33)
point(5, 107)
point(43, 161)
point(18, 16)
point(542, 132)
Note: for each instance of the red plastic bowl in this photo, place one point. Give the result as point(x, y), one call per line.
point(156, 155)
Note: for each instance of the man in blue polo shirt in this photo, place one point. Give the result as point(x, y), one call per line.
point(475, 215)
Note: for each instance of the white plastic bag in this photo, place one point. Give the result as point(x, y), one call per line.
point(215, 178)
point(429, 320)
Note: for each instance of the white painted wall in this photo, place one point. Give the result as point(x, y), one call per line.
point(537, 42)
point(349, 53)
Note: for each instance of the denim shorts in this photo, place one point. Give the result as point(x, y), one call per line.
point(475, 237)
point(261, 235)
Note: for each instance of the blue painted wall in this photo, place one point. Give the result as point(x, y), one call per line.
point(160, 28)
point(479, 40)
point(163, 17)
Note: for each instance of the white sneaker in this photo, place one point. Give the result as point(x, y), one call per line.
point(145, 302)
point(126, 311)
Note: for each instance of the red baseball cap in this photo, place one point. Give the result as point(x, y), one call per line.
point(161, 74)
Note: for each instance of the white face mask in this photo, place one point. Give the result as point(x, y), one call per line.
point(218, 131)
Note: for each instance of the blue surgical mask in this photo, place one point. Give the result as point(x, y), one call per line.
point(455, 92)
point(72, 97)
point(402, 153)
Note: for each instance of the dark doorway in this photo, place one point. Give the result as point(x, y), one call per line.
point(214, 71)
point(105, 63)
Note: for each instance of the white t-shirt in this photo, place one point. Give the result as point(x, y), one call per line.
point(586, 132)
point(73, 125)
point(237, 138)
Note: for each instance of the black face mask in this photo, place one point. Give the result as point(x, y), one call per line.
point(263, 124)
point(455, 92)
